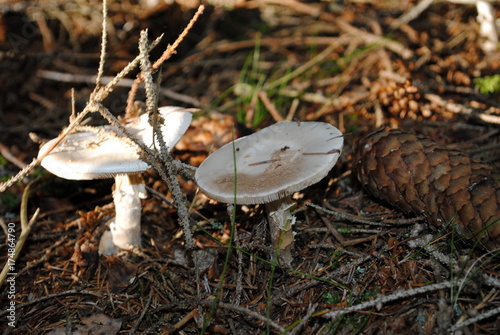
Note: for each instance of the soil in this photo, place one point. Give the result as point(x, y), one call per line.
point(359, 264)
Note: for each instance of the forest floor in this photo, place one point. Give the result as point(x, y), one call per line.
point(358, 267)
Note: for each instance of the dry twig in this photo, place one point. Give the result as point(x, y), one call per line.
point(402, 294)
point(164, 57)
point(26, 226)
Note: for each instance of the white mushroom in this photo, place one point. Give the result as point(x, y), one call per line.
point(488, 26)
point(271, 165)
point(92, 155)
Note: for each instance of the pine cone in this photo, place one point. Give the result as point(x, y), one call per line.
point(416, 175)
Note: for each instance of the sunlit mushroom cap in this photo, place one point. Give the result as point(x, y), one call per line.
point(272, 163)
point(88, 155)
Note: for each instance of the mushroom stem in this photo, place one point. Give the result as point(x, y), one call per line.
point(280, 224)
point(126, 226)
point(488, 28)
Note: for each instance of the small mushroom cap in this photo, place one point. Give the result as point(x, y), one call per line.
point(88, 155)
point(272, 163)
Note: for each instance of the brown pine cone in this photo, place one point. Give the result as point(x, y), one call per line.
point(416, 175)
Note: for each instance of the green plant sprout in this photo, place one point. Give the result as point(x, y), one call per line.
point(253, 80)
point(230, 245)
point(488, 84)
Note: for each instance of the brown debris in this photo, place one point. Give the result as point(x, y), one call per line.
point(416, 175)
point(121, 274)
point(94, 324)
point(207, 133)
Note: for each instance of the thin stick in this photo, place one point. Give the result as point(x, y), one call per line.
point(73, 105)
point(353, 32)
point(412, 14)
point(293, 109)
point(55, 295)
point(239, 276)
point(492, 281)
point(125, 82)
point(134, 88)
point(347, 217)
point(183, 321)
point(5, 229)
point(145, 309)
point(166, 55)
point(103, 92)
point(104, 42)
point(335, 274)
point(173, 183)
point(475, 319)
point(270, 106)
point(310, 311)
point(171, 48)
point(10, 157)
point(9, 267)
point(243, 310)
point(24, 172)
point(460, 109)
point(401, 294)
point(180, 200)
point(146, 75)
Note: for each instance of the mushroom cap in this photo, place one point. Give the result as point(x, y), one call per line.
point(87, 155)
point(271, 163)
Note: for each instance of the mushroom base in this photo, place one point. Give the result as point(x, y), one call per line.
point(125, 229)
point(280, 225)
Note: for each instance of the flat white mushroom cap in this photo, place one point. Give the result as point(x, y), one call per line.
point(87, 155)
point(272, 163)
